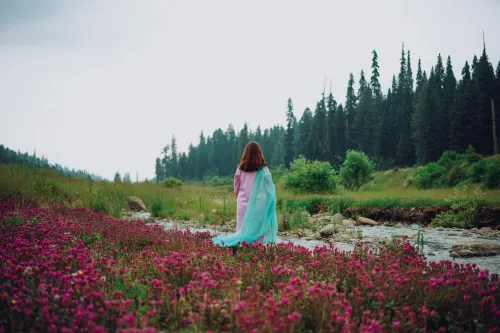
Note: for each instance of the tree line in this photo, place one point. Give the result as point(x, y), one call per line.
point(8, 156)
point(414, 122)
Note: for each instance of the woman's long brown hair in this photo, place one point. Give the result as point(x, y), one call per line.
point(252, 158)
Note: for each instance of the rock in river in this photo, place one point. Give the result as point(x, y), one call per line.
point(348, 223)
point(338, 219)
point(366, 221)
point(136, 204)
point(328, 230)
point(475, 249)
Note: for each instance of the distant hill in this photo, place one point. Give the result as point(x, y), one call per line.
point(9, 156)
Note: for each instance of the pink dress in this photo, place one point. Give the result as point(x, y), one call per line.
point(243, 183)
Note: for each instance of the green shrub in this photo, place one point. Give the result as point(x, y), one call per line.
point(456, 175)
point(464, 207)
point(172, 182)
point(105, 197)
point(221, 181)
point(429, 176)
point(478, 170)
point(492, 175)
point(486, 172)
point(472, 155)
point(356, 170)
point(291, 219)
point(160, 208)
point(156, 206)
point(449, 158)
point(278, 173)
point(307, 176)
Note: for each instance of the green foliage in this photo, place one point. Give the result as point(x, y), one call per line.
point(312, 177)
point(117, 178)
point(221, 181)
point(492, 175)
point(419, 241)
point(472, 155)
point(455, 176)
point(278, 173)
point(293, 218)
point(160, 208)
point(356, 170)
point(105, 197)
point(172, 182)
point(429, 176)
point(464, 207)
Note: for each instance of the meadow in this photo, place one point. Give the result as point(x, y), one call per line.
point(211, 202)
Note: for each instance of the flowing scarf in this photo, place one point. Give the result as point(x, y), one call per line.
point(260, 218)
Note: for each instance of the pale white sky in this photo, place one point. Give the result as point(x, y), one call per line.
point(103, 84)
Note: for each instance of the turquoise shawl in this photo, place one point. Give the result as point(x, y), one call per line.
point(260, 218)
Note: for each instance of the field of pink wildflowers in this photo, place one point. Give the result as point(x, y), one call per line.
point(77, 271)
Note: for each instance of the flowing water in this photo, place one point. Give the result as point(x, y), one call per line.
point(437, 242)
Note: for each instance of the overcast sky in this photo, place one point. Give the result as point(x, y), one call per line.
point(103, 84)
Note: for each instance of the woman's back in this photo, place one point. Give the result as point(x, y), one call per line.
point(256, 219)
point(243, 182)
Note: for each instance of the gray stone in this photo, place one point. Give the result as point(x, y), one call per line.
point(338, 219)
point(348, 223)
point(327, 231)
point(475, 249)
point(136, 204)
point(366, 221)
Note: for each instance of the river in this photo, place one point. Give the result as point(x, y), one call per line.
point(437, 242)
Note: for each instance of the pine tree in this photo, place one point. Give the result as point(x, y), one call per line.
point(350, 110)
point(485, 78)
point(319, 135)
point(374, 80)
point(458, 112)
point(471, 121)
point(232, 141)
point(159, 171)
point(296, 135)
point(191, 162)
point(449, 89)
point(331, 106)
point(289, 142)
point(201, 157)
point(258, 135)
point(183, 166)
point(174, 167)
point(165, 161)
point(496, 100)
point(341, 131)
point(360, 126)
point(278, 156)
point(373, 125)
point(306, 127)
point(405, 150)
point(126, 178)
point(424, 125)
point(243, 138)
point(117, 178)
point(388, 142)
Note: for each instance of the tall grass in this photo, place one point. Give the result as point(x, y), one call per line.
point(207, 203)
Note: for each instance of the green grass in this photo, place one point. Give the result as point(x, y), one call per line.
point(212, 204)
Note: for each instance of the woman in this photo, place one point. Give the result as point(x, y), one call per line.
point(256, 220)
